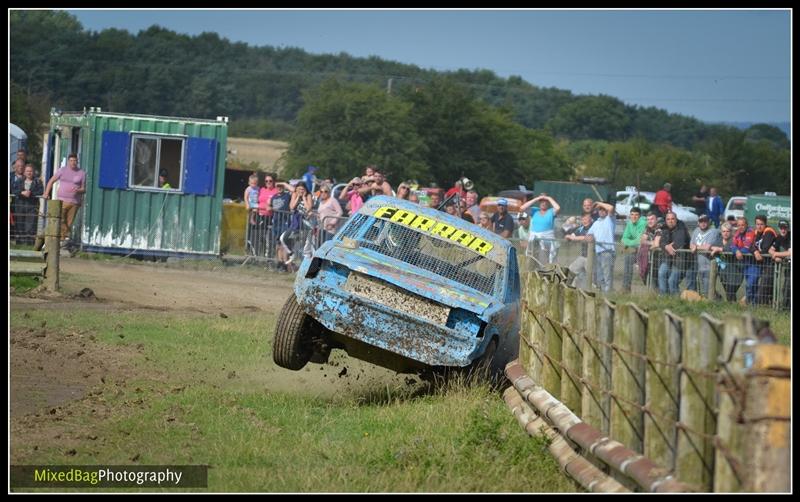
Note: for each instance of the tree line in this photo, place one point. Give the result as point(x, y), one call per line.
point(336, 112)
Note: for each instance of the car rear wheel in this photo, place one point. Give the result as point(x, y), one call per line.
point(292, 345)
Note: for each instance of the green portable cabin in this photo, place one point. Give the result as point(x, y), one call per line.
point(570, 194)
point(125, 211)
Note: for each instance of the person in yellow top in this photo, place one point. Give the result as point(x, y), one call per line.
point(162, 180)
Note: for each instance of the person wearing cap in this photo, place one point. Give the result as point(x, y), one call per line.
point(781, 252)
point(702, 239)
point(543, 226)
point(602, 233)
point(663, 200)
point(162, 180)
point(502, 221)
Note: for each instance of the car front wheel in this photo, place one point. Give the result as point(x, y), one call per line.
point(291, 345)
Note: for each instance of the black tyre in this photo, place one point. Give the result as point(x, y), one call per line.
point(292, 345)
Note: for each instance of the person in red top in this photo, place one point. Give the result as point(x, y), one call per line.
point(457, 189)
point(663, 200)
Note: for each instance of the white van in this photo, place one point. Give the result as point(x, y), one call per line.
point(735, 207)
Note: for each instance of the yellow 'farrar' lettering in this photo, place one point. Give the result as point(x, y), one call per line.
point(434, 227)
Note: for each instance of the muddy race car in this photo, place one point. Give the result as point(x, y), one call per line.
point(408, 288)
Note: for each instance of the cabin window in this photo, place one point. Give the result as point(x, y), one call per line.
point(156, 162)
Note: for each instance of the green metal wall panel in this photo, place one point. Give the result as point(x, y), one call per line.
point(570, 195)
point(140, 219)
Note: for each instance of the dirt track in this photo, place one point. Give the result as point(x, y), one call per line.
point(53, 370)
point(163, 288)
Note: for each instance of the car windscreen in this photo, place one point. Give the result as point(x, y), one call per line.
point(738, 204)
point(438, 256)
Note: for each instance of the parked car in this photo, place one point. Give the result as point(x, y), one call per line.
point(408, 288)
point(489, 205)
point(626, 199)
point(735, 207)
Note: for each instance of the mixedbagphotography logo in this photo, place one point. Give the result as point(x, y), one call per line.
point(116, 476)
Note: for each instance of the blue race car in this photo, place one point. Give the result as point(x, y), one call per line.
point(408, 288)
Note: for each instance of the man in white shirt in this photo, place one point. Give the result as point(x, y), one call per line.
point(602, 233)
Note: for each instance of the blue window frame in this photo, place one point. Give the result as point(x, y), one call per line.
point(131, 160)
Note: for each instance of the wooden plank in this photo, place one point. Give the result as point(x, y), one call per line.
point(767, 415)
point(525, 322)
point(729, 431)
point(662, 387)
point(551, 346)
point(695, 452)
point(26, 268)
point(26, 255)
point(571, 354)
point(595, 402)
point(536, 362)
point(627, 378)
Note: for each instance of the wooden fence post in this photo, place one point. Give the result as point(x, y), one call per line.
point(597, 363)
point(728, 469)
point(551, 343)
point(695, 452)
point(628, 376)
point(590, 263)
point(712, 281)
point(536, 333)
point(52, 242)
point(662, 387)
point(767, 416)
point(571, 355)
point(525, 321)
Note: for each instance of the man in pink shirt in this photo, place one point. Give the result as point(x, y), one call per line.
point(70, 192)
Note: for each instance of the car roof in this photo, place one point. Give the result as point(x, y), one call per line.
point(499, 251)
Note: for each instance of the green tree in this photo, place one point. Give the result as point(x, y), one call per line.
point(344, 127)
point(592, 117)
point(31, 113)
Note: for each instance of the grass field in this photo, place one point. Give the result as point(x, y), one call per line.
point(202, 389)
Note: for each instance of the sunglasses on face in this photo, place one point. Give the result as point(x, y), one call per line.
point(269, 181)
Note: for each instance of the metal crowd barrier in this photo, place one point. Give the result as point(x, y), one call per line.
point(266, 235)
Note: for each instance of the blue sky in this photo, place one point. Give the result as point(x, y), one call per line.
point(715, 65)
